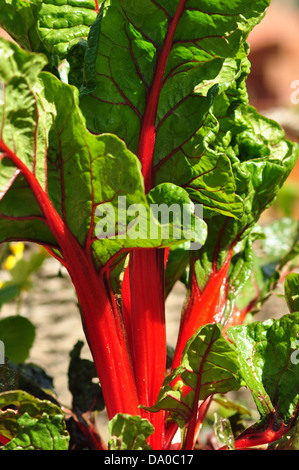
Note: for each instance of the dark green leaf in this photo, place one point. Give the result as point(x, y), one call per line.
point(34, 380)
point(86, 395)
point(267, 353)
point(17, 334)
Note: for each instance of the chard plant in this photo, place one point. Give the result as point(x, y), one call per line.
point(113, 116)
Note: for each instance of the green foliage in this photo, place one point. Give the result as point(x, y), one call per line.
point(87, 396)
point(149, 82)
point(209, 365)
point(17, 334)
point(129, 433)
point(264, 351)
point(31, 424)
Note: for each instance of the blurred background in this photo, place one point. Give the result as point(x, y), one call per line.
point(273, 84)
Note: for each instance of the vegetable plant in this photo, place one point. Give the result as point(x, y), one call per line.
point(114, 114)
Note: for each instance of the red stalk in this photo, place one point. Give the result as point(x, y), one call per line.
point(102, 322)
point(4, 440)
point(146, 270)
point(257, 437)
point(197, 419)
point(147, 267)
point(202, 307)
point(96, 6)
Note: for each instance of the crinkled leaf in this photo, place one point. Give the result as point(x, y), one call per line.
point(43, 433)
point(17, 334)
point(51, 26)
point(129, 432)
point(30, 423)
point(209, 365)
point(267, 356)
point(260, 170)
point(19, 18)
point(61, 23)
point(291, 288)
point(24, 129)
point(192, 48)
point(22, 119)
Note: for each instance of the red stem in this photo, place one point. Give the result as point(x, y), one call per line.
point(102, 322)
point(197, 414)
point(257, 437)
point(146, 270)
point(96, 6)
point(4, 440)
point(147, 267)
point(201, 308)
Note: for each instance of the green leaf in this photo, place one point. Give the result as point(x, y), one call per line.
point(49, 26)
point(209, 365)
point(87, 175)
point(34, 380)
point(291, 287)
point(129, 432)
point(24, 129)
point(22, 271)
point(206, 49)
point(259, 170)
point(19, 18)
point(19, 112)
point(31, 424)
point(17, 334)
point(61, 23)
point(267, 356)
point(86, 395)
point(8, 293)
point(111, 211)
